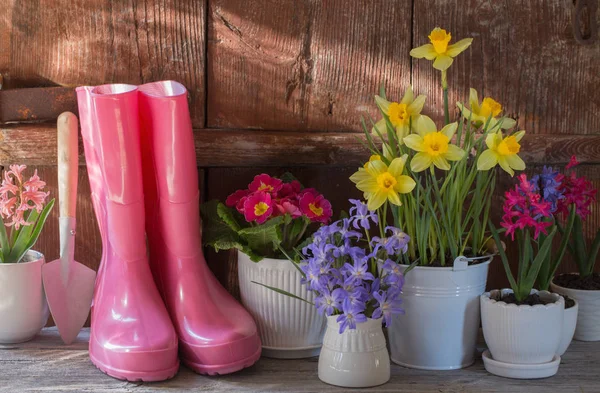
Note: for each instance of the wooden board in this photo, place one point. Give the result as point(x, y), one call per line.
point(45, 364)
point(303, 65)
point(84, 42)
point(36, 145)
point(523, 54)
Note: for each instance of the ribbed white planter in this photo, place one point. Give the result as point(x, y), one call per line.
point(357, 358)
point(568, 330)
point(23, 307)
point(522, 334)
point(289, 328)
point(588, 317)
point(439, 328)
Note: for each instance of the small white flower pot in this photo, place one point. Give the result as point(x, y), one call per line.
point(568, 330)
point(23, 307)
point(522, 334)
point(357, 358)
point(588, 317)
point(289, 328)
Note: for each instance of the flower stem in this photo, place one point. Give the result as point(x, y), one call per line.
point(445, 90)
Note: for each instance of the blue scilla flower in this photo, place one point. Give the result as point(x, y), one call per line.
point(361, 216)
point(326, 302)
point(352, 314)
point(346, 232)
point(388, 304)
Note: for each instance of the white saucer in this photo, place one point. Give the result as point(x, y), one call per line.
point(520, 371)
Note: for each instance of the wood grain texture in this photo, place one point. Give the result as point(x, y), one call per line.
point(303, 65)
point(45, 364)
point(36, 145)
point(523, 54)
point(87, 42)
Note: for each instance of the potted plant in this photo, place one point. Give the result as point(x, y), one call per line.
point(584, 286)
point(549, 184)
point(445, 215)
point(266, 223)
point(521, 326)
point(356, 284)
point(24, 210)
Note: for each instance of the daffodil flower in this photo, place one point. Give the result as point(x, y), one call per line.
point(433, 146)
point(503, 151)
point(381, 183)
point(362, 174)
point(440, 50)
point(400, 113)
point(479, 113)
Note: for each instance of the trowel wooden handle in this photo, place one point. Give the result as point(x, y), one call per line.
point(68, 159)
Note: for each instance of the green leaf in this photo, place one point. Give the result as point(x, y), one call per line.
point(539, 259)
point(217, 233)
point(281, 291)
point(593, 253)
point(503, 257)
point(4, 243)
point(29, 235)
point(264, 237)
point(287, 177)
point(226, 214)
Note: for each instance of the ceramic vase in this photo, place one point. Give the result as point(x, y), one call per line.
point(289, 328)
point(356, 358)
point(441, 322)
point(522, 334)
point(23, 307)
point(588, 317)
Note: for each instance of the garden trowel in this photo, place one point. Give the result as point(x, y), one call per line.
point(69, 285)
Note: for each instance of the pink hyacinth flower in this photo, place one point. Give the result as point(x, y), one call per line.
point(258, 207)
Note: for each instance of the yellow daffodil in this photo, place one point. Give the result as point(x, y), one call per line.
point(479, 113)
point(400, 113)
point(433, 146)
point(362, 174)
point(381, 183)
point(503, 151)
point(440, 50)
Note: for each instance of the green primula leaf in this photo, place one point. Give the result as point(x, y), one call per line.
point(217, 233)
point(226, 215)
point(263, 238)
point(287, 177)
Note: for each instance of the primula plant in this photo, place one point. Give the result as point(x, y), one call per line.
point(24, 210)
point(437, 180)
point(527, 216)
point(353, 275)
point(269, 219)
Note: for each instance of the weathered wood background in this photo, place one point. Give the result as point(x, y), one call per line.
point(280, 85)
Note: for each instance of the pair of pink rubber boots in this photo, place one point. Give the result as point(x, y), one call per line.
point(149, 310)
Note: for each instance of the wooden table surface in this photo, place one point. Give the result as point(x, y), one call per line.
point(46, 365)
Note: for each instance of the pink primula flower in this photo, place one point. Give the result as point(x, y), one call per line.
point(237, 199)
point(266, 183)
point(288, 206)
point(258, 207)
point(317, 208)
point(289, 190)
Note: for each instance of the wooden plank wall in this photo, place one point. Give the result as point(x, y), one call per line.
point(280, 85)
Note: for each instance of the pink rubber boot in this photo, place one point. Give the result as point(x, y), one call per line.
point(132, 336)
point(216, 334)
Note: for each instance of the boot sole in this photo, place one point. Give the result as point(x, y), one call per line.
point(222, 369)
point(136, 376)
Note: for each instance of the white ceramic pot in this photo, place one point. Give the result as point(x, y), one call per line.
point(588, 317)
point(522, 334)
point(568, 330)
point(441, 322)
point(23, 307)
point(357, 358)
point(289, 328)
